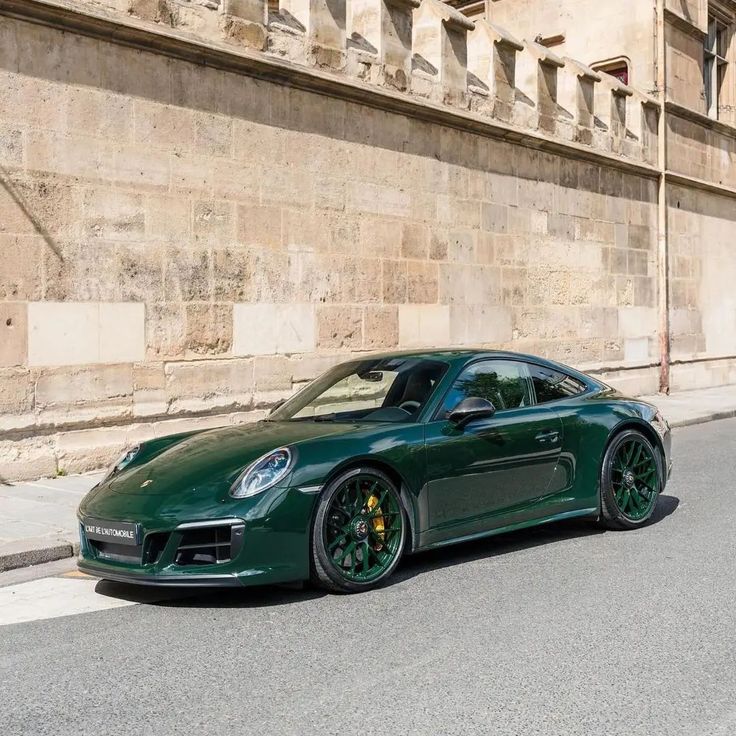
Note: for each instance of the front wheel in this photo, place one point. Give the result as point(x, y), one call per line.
point(359, 531)
point(631, 481)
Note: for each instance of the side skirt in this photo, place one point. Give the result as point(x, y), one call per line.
point(592, 512)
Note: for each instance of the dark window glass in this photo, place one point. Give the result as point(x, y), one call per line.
point(551, 385)
point(502, 382)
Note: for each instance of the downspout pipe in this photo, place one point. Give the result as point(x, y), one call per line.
point(663, 266)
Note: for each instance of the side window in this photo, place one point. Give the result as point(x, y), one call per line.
point(551, 385)
point(502, 382)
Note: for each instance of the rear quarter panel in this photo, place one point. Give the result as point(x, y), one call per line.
point(589, 423)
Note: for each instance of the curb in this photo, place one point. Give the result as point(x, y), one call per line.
point(713, 417)
point(36, 551)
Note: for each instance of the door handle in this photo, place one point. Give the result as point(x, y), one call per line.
point(548, 436)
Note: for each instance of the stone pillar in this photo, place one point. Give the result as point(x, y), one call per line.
point(576, 97)
point(536, 83)
point(245, 21)
point(492, 66)
point(383, 28)
point(323, 22)
point(610, 110)
point(440, 46)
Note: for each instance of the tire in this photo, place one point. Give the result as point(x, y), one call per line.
point(631, 481)
point(358, 533)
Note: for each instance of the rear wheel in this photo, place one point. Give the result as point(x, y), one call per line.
point(359, 531)
point(631, 481)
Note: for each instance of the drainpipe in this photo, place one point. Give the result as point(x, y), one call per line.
point(663, 268)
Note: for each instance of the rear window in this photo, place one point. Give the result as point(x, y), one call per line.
point(552, 385)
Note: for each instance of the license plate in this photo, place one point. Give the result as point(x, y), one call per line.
point(115, 532)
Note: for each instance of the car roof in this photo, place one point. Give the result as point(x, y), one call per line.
point(453, 356)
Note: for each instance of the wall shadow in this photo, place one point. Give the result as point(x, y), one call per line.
point(115, 68)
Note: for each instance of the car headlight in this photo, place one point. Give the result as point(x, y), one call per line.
point(262, 474)
point(123, 461)
point(660, 425)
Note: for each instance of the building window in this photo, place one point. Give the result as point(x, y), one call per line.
point(618, 69)
point(715, 64)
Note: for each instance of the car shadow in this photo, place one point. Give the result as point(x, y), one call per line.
point(410, 567)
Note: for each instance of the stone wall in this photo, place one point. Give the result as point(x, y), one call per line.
point(185, 243)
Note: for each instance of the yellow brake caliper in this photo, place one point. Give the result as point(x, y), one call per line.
point(376, 521)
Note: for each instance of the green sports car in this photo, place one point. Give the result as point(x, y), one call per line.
point(380, 456)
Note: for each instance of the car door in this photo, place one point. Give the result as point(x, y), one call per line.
point(492, 464)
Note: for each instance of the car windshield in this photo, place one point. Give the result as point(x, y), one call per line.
point(378, 390)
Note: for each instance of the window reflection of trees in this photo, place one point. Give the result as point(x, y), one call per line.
point(503, 392)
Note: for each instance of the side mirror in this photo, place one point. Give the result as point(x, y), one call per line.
point(470, 409)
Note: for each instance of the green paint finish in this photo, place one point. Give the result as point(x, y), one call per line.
point(529, 463)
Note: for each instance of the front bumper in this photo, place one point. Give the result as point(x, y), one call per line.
point(261, 543)
point(166, 581)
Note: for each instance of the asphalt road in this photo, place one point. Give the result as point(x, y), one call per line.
point(561, 630)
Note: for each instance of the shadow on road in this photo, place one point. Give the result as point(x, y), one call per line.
point(411, 566)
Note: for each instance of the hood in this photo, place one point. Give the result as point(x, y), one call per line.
point(214, 458)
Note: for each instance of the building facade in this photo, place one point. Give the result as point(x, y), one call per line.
point(206, 203)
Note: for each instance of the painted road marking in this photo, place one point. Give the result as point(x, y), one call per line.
point(46, 598)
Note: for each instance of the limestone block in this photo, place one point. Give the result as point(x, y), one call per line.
point(213, 222)
point(68, 333)
point(270, 329)
point(85, 450)
point(378, 199)
point(13, 333)
point(209, 384)
point(209, 328)
point(244, 21)
point(149, 395)
point(11, 145)
point(637, 349)
point(307, 367)
point(422, 282)
point(439, 43)
point(381, 327)
point(395, 281)
point(26, 459)
point(16, 391)
point(112, 214)
point(339, 327)
point(424, 325)
point(414, 241)
point(634, 322)
point(384, 28)
point(480, 324)
point(72, 385)
point(323, 22)
point(273, 373)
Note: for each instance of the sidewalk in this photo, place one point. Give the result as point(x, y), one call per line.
point(38, 519)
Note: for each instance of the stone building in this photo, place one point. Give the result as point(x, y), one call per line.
point(205, 203)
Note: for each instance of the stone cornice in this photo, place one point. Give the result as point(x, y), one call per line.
point(683, 24)
point(686, 113)
point(177, 44)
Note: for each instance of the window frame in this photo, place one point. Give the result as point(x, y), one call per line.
point(436, 414)
point(715, 63)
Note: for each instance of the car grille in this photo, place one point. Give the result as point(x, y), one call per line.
point(116, 552)
point(209, 545)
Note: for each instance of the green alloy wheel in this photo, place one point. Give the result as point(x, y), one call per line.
point(631, 481)
point(359, 531)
